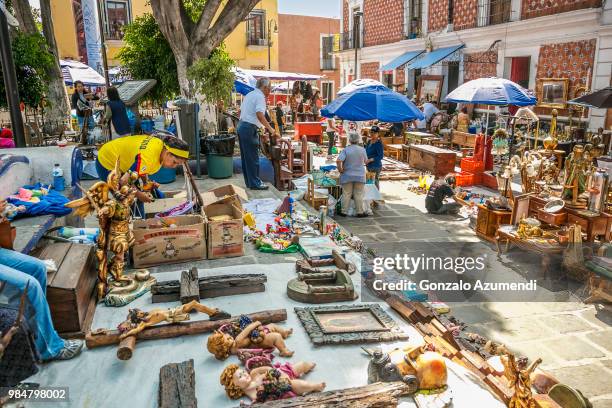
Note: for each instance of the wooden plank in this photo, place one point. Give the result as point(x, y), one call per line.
point(189, 289)
point(126, 348)
point(377, 395)
point(70, 270)
point(499, 387)
point(166, 331)
point(57, 252)
point(211, 286)
point(177, 386)
point(405, 309)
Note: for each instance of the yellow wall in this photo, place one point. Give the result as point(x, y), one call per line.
point(245, 56)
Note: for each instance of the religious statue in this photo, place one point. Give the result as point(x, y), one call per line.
point(245, 333)
point(528, 167)
point(139, 320)
point(269, 383)
point(551, 141)
point(577, 168)
point(519, 378)
point(112, 200)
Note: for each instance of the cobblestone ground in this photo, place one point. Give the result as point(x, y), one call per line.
point(574, 339)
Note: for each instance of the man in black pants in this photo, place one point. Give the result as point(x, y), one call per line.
point(439, 190)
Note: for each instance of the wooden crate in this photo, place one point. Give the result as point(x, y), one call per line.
point(70, 290)
point(433, 159)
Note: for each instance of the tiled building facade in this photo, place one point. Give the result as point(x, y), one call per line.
point(517, 39)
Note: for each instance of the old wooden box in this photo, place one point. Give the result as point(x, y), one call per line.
point(488, 221)
point(559, 218)
point(433, 159)
point(70, 290)
point(463, 139)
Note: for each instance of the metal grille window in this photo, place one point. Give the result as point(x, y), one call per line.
point(256, 28)
point(327, 48)
point(491, 12)
point(117, 17)
point(413, 21)
point(327, 91)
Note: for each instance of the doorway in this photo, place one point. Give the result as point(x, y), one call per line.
point(453, 83)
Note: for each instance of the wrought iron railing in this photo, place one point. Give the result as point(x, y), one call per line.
point(491, 12)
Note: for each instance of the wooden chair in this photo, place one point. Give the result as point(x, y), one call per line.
point(299, 164)
point(286, 163)
point(314, 198)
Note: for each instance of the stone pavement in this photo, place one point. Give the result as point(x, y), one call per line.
point(574, 339)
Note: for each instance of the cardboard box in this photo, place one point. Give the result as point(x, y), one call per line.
point(222, 193)
point(225, 238)
point(157, 245)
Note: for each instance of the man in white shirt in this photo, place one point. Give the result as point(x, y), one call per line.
point(429, 109)
point(252, 117)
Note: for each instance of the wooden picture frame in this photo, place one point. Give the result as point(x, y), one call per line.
point(349, 324)
point(430, 88)
point(521, 208)
point(552, 92)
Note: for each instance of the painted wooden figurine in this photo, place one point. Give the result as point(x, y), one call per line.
point(139, 320)
point(245, 333)
point(519, 379)
point(112, 200)
point(577, 169)
point(269, 383)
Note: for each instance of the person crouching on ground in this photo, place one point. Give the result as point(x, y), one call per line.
point(351, 165)
point(438, 192)
point(19, 271)
point(144, 155)
point(375, 152)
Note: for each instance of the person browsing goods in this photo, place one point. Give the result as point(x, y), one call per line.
point(438, 191)
point(252, 117)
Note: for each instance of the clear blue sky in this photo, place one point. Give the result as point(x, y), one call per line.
point(319, 8)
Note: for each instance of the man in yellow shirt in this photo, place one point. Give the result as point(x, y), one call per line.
point(143, 154)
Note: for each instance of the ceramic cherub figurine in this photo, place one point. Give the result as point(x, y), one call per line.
point(246, 333)
point(269, 383)
point(139, 320)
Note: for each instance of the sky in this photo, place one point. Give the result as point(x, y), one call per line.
point(319, 8)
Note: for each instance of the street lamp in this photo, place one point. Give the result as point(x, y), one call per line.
point(356, 16)
point(270, 40)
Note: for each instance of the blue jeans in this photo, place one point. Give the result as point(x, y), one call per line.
point(19, 270)
point(248, 138)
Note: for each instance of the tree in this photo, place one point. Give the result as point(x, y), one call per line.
point(192, 38)
point(212, 76)
point(147, 55)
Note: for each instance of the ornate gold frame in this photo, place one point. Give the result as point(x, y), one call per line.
point(540, 91)
point(438, 78)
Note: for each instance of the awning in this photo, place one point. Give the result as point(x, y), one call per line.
point(401, 60)
point(434, 57)
point(282, 76)
point(73, 71)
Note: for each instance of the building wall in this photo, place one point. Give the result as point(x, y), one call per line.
point(65, 29)
point(370, 70)
point(438, 15)
point(299, 39)
point(539, 8)
point(479, 65)
point(383, 21)
point(465, 14)
point(345, 16)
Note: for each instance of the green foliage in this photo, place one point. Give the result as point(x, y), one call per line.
point(147, 55)
point(212, 76)
point(32, 60)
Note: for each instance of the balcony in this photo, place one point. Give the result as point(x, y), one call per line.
point(257, 41)
point(328, 64)
point(347, 42)
point(494, 12)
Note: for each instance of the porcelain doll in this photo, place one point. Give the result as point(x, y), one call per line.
point(245, 333)
point(269, 383)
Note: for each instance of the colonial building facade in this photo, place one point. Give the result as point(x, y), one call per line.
point(558, 46)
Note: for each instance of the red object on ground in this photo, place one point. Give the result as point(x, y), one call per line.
point(471, 165)
point(466, 179)
point(488, 156)
point(489, 180)
point(312, 130)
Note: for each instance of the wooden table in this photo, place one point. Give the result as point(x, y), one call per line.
point(438, 161)
point(547, 251)
point(416, 136)
point(462, 139)
point(395, 151)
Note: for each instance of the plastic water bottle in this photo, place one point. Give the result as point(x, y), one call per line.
point(58, 178)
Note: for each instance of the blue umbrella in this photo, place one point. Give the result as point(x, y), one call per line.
point(243, 82)
point(373, 103)
point(492, 91)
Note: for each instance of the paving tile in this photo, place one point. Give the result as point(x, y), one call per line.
point(521, 329)
point(471, 314)
point(400, 227)
point(601, 317)
point(586, 378)
point(572, 348)
point(603, 403)
point(566, 323)
point(534, 350)
point(602, 338)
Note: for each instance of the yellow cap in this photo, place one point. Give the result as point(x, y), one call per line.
point(177, 152)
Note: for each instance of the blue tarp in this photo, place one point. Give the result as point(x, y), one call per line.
point(492, 91)
point(428, 59)
point(373, 103)
point(401, 60)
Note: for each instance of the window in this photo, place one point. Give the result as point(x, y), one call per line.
point(387, 80)
point(413, 12)
point(327, 48)
point(492, 12)
point(327, 91)
point(117, 17)
point(256, 28)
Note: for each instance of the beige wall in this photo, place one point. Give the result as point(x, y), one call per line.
point(65, 29)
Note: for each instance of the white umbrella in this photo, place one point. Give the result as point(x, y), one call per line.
point(360, 84)
point(73, 71)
